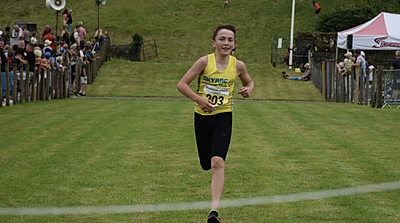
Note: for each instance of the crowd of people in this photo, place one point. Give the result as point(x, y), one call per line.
point(19, 47)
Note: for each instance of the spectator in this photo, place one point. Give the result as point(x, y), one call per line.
point(348, 63)
point(82, 51)
point(6, 49)
point(33, 38)
point(6, 35)
point(317, 9)
point(52, 60)
point(396, 75)
point(30, 58)
point(83, 77)
point(82, 33)
point(3, 62)
point(65, 17)
point(69, 22)
point(47, 47)
point(340, 67)
point(306, 76)
point(45, 31)
point(17, 32)
point(362, 64)
point(50, 36)
point(65, 35)
point(89, 54)
point(95, 46)
point(234, 49)
point(76, 40)
point(25, 35)
point(73, 60)
point(1, 32)
point(15, 35)
point(20, 53)
point(98, 36)
point(371, 69)
point(10, 61)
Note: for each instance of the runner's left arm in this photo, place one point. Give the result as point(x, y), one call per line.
point(247, 82)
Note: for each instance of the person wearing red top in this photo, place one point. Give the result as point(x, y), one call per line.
point(49, 36)
point(317, 9)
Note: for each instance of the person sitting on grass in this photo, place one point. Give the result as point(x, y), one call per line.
point(305, 77)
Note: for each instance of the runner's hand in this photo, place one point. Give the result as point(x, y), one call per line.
point(206, 105)
point(244, 91)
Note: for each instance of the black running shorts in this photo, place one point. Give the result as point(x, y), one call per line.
point(213, 135)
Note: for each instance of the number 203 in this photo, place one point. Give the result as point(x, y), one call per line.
point(215, 99)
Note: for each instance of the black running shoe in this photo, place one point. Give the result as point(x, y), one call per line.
point(213, 217)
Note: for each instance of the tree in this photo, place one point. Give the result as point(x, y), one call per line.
point(344, 18)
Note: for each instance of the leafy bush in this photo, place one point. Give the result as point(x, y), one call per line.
point(344, 18)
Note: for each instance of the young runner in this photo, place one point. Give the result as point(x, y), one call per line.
point(216, 75)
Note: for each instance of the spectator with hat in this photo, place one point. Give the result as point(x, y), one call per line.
point(47, 47)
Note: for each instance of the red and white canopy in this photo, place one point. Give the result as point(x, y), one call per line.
point(380, 33)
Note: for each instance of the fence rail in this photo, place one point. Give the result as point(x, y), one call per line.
point(23, 86)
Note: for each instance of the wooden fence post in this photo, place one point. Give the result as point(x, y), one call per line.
point(27, 80)
point(379, 85)
point(15, 85)
point(373, 89)
point(357, 86)
point(1, 95)
point(33, 81)
point(67, 82)
point(21, 86)
point(323, 80)
point(7, 80)
point(78, 71)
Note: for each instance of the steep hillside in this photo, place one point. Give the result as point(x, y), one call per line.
point(183, 28)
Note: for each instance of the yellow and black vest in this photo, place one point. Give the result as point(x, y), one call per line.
point(217, 86)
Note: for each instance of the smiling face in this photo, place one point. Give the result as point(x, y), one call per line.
point(224, 42)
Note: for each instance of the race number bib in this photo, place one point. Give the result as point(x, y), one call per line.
point(219, 96)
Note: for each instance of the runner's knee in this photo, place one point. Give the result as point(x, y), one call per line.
point(217, 163)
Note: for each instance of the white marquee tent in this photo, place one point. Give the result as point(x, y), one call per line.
point(380, 33)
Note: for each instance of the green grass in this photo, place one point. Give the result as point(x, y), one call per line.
point(183, 29)
point(99, 152)
point(121, 78)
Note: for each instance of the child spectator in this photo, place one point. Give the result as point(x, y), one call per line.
point(33, 38)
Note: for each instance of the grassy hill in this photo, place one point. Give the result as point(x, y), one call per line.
point(183, 28)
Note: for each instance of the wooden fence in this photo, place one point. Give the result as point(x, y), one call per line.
point(24, 86)
point(353, 88)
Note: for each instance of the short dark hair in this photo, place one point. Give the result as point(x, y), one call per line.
point(224, 26)
point(357, 51)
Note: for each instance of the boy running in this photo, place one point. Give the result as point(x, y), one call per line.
point(216, 75)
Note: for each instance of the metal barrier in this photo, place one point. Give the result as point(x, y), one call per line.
point(391, 85)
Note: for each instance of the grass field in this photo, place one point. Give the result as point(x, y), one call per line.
point(119, 78)
point(100, 152)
